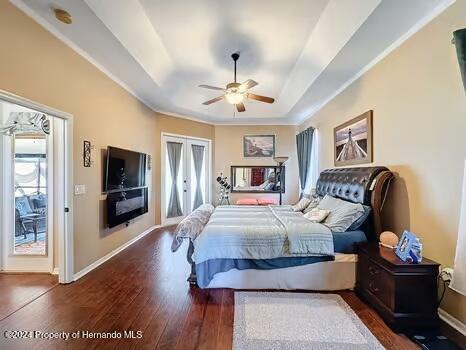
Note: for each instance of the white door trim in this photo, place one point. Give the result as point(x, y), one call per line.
point(65, 236)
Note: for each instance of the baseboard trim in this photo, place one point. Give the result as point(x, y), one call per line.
point(56, 271)
point(114, 252)
point(452, 321)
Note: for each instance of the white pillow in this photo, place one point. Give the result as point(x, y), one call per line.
point(301, 205)
point(314, 203)
point(342, 213)
point(316, 214)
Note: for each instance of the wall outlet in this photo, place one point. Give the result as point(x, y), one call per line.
point(79, 189)
point(447, 274)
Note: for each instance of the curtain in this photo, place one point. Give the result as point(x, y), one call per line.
point(313, 174)
point(198, 159)
point(458, 282)
point(460, 43)
point(174, 158)
point(304, 148)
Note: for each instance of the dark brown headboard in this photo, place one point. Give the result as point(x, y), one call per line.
point(365, 185)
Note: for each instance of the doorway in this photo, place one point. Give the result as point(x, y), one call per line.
point(36, 188)
point(186, 176)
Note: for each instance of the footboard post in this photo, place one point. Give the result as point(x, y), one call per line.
point(192, 279)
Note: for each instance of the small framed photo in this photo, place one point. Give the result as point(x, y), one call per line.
point(258, 146)
point(405, 244)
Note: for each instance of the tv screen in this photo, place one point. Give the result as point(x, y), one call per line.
point(125, 169)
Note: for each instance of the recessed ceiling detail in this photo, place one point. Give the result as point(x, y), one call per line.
point(302, 52)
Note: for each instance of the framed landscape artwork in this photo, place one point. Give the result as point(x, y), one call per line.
point(353, 141)
point(258, 146)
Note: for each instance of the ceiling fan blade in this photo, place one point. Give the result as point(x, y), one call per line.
point(219, 98)
point(240, 107)
point(211, 87)
point(260, 98)
point(247, 85)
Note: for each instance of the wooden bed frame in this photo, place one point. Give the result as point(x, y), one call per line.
point(364, 185)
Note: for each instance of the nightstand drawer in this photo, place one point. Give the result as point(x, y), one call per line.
point(376, 281)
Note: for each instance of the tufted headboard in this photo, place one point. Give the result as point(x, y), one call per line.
point(365, 185)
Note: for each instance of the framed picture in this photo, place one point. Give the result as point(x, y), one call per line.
point(353, 141)
point(258, 146)
point(405, 244)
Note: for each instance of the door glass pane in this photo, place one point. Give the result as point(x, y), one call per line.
point(198, 180)
point(174, 185)
point(30, 192)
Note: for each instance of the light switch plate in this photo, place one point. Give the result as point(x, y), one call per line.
point(79, 189)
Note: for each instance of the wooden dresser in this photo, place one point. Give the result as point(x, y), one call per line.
point(405, 295)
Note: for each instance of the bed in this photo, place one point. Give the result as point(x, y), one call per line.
point(274, 247)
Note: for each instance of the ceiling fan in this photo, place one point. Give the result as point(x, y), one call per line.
point(235, 93)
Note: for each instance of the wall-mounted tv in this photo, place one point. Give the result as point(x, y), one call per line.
point(125, 169)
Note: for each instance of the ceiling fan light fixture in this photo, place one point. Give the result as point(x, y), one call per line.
point(234, 97)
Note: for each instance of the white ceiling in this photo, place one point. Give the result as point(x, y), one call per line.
point(301, 52)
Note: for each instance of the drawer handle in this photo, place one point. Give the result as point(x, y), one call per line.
point(373, 270)
point(373, 288)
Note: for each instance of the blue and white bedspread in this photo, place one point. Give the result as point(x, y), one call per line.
point(256, 232)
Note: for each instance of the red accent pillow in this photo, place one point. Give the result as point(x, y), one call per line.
point(267, 201)
point(247, 201)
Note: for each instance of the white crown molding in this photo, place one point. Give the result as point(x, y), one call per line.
point(303, 117)
point(46, 25)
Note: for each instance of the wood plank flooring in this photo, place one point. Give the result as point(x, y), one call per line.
point(17, 290)
point(144, 289)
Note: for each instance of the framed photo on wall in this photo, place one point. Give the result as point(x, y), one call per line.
point(353, 141)
point(258, 146)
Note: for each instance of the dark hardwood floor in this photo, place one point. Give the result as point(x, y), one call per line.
point(17, 290)
point(144, 289)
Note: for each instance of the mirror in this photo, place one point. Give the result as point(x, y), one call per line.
point(260, 179)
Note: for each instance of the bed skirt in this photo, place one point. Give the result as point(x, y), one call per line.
point(338, 274)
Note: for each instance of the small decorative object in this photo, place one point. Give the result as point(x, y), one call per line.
point(259, 146)
point(388, 240)
point(459, 39)
point(149, 162)
point(223, 190)
point(87, 154)
point(409, 248)
point(353, 141)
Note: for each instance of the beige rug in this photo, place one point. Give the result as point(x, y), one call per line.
point(275, 320)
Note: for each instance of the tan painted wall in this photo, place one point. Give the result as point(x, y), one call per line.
point(177, 126)
point(229, 151)
point(419, 124)
point(36, 65)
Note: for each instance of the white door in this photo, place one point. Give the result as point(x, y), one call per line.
point(186, 176)
point(28, 205)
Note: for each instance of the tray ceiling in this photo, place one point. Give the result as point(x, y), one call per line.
point(301, 52)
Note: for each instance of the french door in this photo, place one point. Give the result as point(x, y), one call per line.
point(186, 176)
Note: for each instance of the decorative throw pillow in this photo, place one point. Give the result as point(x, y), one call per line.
point(342, 213)
point(301, 205)
point(361, 220)
point(317, 215)
point(313, 204)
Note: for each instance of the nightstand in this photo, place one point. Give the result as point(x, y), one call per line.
point(404, 295)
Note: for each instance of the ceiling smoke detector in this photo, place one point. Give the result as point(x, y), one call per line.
point(63, 16)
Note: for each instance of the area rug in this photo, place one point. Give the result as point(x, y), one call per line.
point(275, 320)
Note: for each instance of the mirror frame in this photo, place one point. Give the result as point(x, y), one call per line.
point(282, 180)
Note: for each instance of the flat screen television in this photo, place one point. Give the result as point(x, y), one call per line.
point(125, 169)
